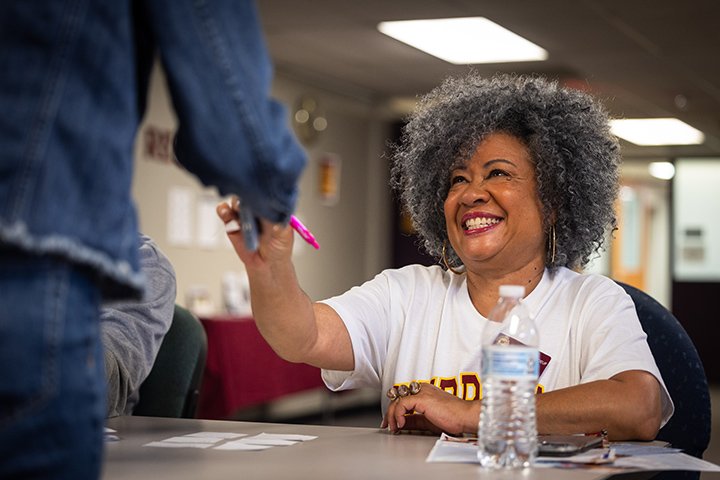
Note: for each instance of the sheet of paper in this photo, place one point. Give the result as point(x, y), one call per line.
point(451, 449)
point(645, 457)
point(668, 461)
point(110, 435)
point(216, 435)
point(231, 441)
point(241, 445)
point(287, 436)
point(187, 439)
point(276, 442)
point(209, 227)
point(180, 203)
point(625, 449)
point(178, 445)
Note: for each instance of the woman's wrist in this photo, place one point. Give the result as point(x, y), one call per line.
point(472, 417)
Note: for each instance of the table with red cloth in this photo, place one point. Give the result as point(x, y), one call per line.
point(242, 370)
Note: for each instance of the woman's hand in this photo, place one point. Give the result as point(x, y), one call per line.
point(274, 241)
point(296, 329)
point(432, 409)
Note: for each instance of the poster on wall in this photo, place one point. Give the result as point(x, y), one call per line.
point(329, 184)
point(180, 204)
point(157, 143)
point(696, 220)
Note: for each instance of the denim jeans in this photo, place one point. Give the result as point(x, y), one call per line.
point(52, 394)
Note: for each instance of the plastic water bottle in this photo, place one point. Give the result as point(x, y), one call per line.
point(507, 432)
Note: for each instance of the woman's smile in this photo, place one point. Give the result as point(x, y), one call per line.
point(478, 222)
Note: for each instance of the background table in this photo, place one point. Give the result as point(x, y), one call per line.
point(242, 370)
point(338, 452)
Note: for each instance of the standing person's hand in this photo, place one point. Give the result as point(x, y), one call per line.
point(274, 241)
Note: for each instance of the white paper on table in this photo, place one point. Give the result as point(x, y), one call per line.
point(177, 445)
point(273, 442)
point(450, 449)
point(287, 436)
point(110, 436)
point(626, 449)
point(186, 439)
point(241, 445)
point(216, 435)
point(668, 461)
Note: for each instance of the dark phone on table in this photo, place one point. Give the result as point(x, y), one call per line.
point(566, 445)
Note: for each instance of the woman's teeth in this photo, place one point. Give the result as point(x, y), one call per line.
point(480, 222)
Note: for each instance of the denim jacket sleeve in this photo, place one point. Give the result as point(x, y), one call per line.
point(231, 134)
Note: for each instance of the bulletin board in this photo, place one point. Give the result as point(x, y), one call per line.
point(696, 220)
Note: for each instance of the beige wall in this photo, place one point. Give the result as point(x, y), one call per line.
point(353, 233)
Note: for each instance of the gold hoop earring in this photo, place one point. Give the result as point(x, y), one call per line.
point(552, 245)
point(445, 262)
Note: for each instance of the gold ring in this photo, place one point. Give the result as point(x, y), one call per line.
point(392, 393)
point(414, 388)
point(395, 393)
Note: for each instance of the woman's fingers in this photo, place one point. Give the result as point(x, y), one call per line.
point(397, 413)
point(229, 217)
point(225, 213)
point(274, 241)
point(405, 416)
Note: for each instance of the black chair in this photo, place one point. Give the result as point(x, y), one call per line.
point(173, 386)
point(682, 371)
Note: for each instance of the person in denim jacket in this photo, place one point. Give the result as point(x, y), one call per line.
point(73, 89)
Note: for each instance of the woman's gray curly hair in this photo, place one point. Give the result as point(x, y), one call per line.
point(567, 133)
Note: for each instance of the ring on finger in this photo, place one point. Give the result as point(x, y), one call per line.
point(395, 393)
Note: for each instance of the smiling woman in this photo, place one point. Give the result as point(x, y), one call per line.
point(509, 180)
point(567, 136)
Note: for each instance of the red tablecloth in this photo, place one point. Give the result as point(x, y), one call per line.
point(242, 370)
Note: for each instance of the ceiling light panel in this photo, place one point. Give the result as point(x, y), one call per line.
point(464, 40)
point(656, 131)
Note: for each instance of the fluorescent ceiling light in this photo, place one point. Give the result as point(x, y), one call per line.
point(662, 170)
point(464, 40)
point(656, 131)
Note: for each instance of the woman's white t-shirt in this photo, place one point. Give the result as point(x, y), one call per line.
point(418, 323)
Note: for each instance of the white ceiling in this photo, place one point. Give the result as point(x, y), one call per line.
point(642, 57)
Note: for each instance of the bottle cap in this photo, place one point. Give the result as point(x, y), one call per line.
point(512, 291)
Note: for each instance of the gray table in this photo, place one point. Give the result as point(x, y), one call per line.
point(338, 452)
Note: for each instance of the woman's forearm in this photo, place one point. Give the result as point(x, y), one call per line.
point(283, 312)
point(295, 327)
point(628, 407)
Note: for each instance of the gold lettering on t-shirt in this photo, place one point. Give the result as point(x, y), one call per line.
point(466, 385)
point(471, 389)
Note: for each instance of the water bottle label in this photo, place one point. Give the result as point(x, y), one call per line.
point(509, 361)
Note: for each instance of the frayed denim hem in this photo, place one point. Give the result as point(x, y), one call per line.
point(119, 272)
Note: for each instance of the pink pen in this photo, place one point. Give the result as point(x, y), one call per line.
point(303, 231)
